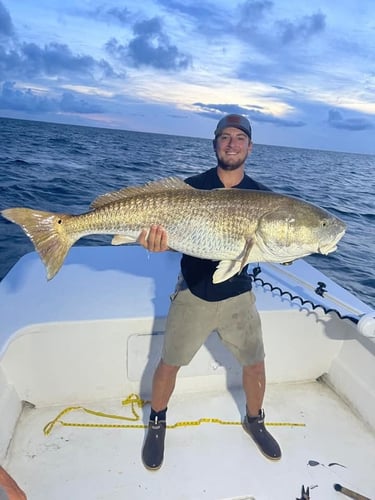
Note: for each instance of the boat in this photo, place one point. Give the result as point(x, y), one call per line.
point(77, 355)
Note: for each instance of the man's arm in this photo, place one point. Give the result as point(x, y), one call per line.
point(156, 240)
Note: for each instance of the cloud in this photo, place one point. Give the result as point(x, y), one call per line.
point(73, 104)
point(258, 116)
point(301, 30)
point(121, 16)
point(336, 120)
point(252, 15)
point(30, 101)
point(205, 18)
point(12, 98)
point(149, 47)
point(54, 59)
point(6, 25)
point(29, 60)
point(283, 88)
point(277, 46)
point(257, 27)
point(253, 112)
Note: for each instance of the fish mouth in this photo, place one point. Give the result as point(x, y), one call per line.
point(332, 245)
point(325, 250)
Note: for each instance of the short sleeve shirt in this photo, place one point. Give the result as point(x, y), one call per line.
point(198, 272)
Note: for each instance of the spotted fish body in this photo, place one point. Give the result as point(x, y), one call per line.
point(233, 226)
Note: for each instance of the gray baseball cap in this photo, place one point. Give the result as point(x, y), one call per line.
point(236, 121)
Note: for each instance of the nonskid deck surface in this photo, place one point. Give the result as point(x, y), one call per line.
point(210, 461)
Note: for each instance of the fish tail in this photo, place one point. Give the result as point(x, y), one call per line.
point(48, 233)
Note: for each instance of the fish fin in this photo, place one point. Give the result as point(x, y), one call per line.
point(228, 268)
point(151, 187)
point(225, 270)
point(122, 239)
point(48, 233)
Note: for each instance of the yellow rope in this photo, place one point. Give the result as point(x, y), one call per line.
point(133, 400)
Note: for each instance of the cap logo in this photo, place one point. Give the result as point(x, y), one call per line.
point(236, 120)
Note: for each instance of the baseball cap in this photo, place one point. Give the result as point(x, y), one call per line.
point(237, 121)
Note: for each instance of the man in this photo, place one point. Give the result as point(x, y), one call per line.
point(207, 307)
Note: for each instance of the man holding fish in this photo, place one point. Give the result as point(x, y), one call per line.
point(200, 306)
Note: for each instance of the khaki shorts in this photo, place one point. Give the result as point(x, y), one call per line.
point(191, 320)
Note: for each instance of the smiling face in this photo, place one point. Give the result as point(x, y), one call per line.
point(232, 147)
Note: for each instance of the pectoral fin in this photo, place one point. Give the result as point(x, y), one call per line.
point(225, 270)
point(228, 268)
point(122, 239)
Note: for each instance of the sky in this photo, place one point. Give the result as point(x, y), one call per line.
point(302, 72)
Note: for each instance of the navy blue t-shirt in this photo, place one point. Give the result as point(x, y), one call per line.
point(198, 272)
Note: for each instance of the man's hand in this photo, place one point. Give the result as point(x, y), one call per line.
point(156, 240)
point(12, 489)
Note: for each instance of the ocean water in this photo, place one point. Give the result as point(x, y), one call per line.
point(63, 168)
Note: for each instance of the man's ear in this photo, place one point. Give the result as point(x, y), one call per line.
point(214, 144)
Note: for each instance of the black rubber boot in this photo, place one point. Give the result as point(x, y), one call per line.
point(153, 448)
point(254, 426)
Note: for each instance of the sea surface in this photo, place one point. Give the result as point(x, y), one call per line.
point(63, 168)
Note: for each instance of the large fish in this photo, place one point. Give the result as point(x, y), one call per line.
point(233, 226)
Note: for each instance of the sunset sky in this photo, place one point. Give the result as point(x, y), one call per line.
point(302, 72)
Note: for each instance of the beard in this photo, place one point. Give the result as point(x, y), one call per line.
point(231, 164)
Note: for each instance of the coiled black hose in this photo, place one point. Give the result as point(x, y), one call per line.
point(320, 290)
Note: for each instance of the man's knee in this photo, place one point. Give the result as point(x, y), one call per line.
point(256, 368)
point(167, 370)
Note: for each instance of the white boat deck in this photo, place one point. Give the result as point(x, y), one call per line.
point(210, 461)
point(93, 335)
